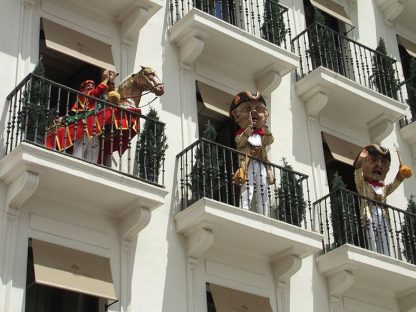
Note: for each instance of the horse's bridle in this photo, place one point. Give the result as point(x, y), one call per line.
point(142, 73)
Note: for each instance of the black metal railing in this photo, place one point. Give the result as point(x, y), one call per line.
point(266, 19)
point(40, 112)
point(384, 229)
point(318, 45)
point(206, 169)
point(410, 84)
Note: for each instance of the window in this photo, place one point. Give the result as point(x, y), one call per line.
point(221, 298)
point(339, 158)
point(65, 279)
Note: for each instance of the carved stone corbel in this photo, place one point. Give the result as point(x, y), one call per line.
point(268, 81)
point(190, 48)
point(199, 241)
point(316, 103)
point(20, 189)
point(134, 221)
point(391, 9)
point(379, 128)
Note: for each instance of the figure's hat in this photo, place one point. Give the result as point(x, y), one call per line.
point(245, 96)
point(374, 149)
point(83, 84)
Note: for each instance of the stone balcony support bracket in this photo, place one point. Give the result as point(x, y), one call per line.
point(391, 9)
point(190, 48)
point(20, 189)
point(268, 80)
point(199, 241)
point(134, 221)
point(379, 128)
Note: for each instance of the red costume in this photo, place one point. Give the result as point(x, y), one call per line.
point(82, 103)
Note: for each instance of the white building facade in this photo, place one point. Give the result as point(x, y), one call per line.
point(77, 235)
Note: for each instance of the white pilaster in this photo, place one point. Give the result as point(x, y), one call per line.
point(25, 39)
point(283, 270)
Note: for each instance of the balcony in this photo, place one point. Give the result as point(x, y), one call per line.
point(224, 35)
point(277, 222)
point(95, 159)
point(340, 78)
point(380, 252)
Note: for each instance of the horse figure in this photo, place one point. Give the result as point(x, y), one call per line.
point(132, 87)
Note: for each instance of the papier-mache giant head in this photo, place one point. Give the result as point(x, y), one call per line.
point(249, 108)
point(377, 163)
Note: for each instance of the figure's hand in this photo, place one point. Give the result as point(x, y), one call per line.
point(364, 153)
point(106, 74)
point(111, 76)
point(250, 121)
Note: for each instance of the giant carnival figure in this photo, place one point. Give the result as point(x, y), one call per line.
point(249, 110)
point(95, 129)
point(371, 167)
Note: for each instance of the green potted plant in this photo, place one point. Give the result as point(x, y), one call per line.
point(151, 147)
point(291, 206)
point(384, 76)
point(409, 232)
point(322, 50)
point(343, 218)
point(35, 114)
point(205, 178)
point(273, 28)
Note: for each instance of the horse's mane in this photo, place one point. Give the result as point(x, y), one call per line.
point(126, 83)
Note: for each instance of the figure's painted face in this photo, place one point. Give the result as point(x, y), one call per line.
point(89, 86)
point(254, 110)
point(375, 167)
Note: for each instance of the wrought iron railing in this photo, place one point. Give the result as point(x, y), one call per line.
point(318, 45)
point(410, 84)
point(384, 229)
point(40, 112)
point(206, 169)
point(266, 19)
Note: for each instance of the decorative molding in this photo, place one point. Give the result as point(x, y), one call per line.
point(316, 103)
point(268, 81)
point(20, 189)
point(190, 48)
point(391, 9)
point(199, 241)
point(134, 221)
point(379, 128)
point(339, 282)
point(28, 4)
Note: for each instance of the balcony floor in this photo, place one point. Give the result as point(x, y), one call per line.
point(247, 231)
point(79, 183)
point(369, 268)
